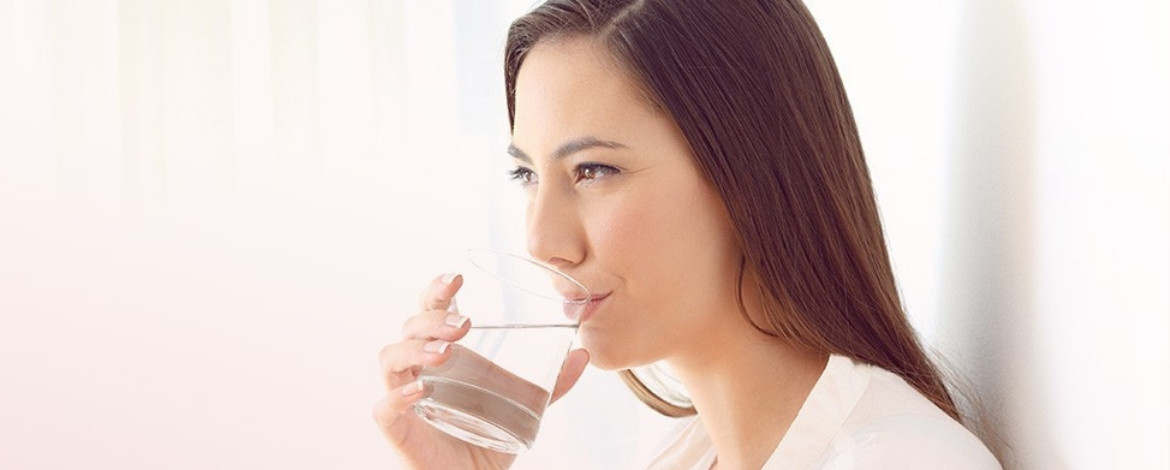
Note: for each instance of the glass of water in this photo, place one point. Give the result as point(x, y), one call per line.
point(494, 388)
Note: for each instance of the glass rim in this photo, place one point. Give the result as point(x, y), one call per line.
point(471, 252)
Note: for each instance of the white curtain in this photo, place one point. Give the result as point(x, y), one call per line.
point(214, 213)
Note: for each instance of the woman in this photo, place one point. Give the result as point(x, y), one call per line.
point(695, 163)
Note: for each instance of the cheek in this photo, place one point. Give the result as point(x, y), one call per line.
point(673, 254)
point(644, 239)
point(676, 235)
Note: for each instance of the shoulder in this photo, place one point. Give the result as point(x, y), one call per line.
point(894, 426)
point(863, 417)
point(909, 442)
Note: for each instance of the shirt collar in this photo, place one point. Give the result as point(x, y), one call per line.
point(824, 412)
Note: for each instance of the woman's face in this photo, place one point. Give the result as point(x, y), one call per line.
point(616, 200)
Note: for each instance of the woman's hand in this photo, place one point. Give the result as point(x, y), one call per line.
point(425, 342)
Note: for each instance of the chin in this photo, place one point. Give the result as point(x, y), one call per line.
point(607, 353)
point(601, 352)
point(605, 363)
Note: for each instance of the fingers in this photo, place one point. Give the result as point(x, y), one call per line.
point(436, 324)
point(427, 342)
point(389, 411)
point(571, 370)
point(401, 361)
point(438, 294)
point(428, 336)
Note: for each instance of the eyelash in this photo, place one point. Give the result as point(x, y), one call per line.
point(525, 176)
point(521, 175)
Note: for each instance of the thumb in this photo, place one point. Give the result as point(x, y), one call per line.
point(571, 370)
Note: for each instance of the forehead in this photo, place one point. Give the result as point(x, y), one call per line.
point(571, 87)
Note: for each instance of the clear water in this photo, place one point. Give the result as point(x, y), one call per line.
point(496, 403)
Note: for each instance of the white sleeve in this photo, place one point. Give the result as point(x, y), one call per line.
point(909, 442)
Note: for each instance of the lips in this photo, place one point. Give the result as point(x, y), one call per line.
point(575, 312)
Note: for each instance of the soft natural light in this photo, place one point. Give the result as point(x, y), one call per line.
point(214, 214)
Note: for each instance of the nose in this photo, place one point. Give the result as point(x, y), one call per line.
point(554, 228)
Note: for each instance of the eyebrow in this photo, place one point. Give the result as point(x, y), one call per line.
point(568, 148)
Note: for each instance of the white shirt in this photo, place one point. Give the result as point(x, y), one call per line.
point(857, 417)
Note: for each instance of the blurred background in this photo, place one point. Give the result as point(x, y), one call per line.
point(214, 213)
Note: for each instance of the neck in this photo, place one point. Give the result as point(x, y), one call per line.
point(747, 388)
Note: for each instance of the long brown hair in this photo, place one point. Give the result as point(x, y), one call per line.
point(754, 89)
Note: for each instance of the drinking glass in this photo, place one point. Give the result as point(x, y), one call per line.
point(493, 389)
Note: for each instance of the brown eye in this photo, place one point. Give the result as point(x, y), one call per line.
point(593, 171)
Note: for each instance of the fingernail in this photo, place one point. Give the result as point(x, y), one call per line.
point(448, 278)
point(455, 320)
point(413, 388)
point(437, 346)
